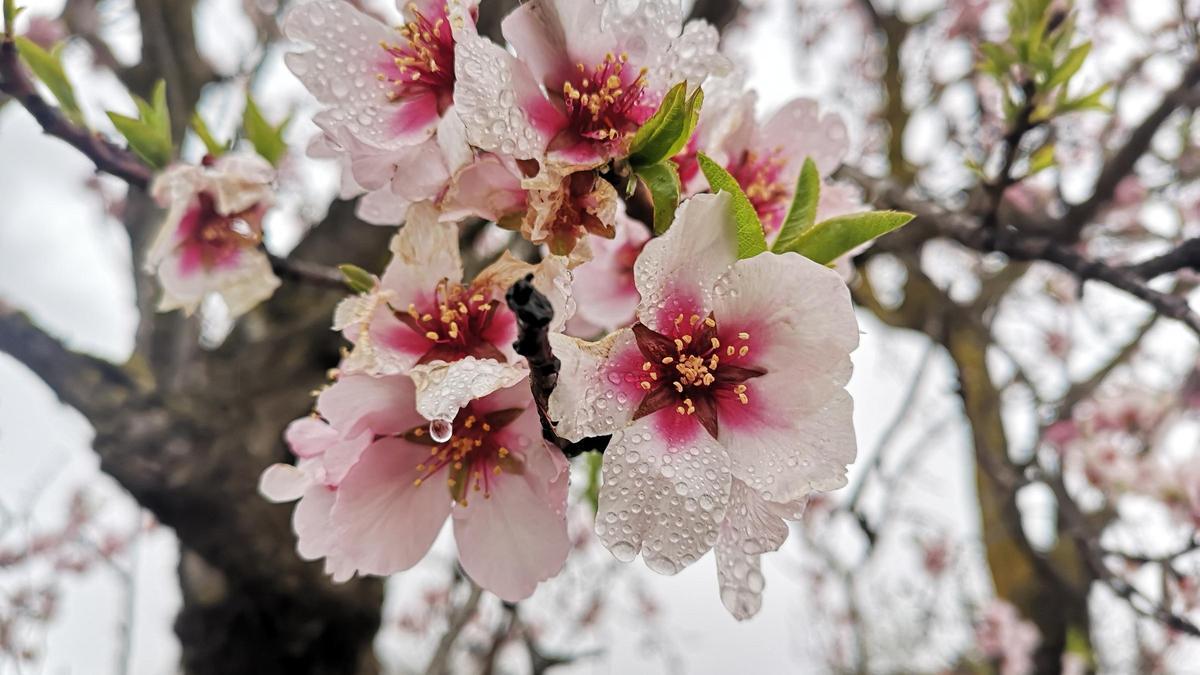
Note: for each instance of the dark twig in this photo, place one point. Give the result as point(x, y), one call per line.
point(107, 157)
point(308, 272)
point(534, 314)
point(1184, 256)
point(965, 229)
point(1121, 163)
point(439, 664)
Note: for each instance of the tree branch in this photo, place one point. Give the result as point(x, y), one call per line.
point(534, 313)
point(1023, 246)
point(107, 157)
point(1121, 163)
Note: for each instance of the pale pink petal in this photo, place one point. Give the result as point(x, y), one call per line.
point(604, 288)
point(424, 252)
point(488, 188)
point(665, 490)
point(512, 539)
point(676, 272)
point(382, 207)
point(340, 457)
point(421, 173)
point(283, 483)
point(799, 130)
point(598, 384)
point(444, 388)
point(499, 102)
point(381, 520)
point(246, 284)
point(240, 181)
point(310, 521)
point(309, 436)
point(552, 36)
point(357, 404)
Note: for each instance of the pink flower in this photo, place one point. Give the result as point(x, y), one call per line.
point(452, 337)
point(766, 159)
point(375, 488)
point(1004, 636)
point(586, 76)
point(604, 289)
point(726, 400)
point(565, 208)
point(390, 95)
point(209, 242)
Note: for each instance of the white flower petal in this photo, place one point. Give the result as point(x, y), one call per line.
point(283, 483)
point(676, 272)
point(341, 67)
point(444, 388)
point(666, 503)
point(490, 95)
point(593, 397)
point(799, 130)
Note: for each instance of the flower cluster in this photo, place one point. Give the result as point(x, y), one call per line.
point(720, 368)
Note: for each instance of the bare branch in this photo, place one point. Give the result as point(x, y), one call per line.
point(439, 664)
point(1023, 246)
point(1121, 163)
point(107, 157)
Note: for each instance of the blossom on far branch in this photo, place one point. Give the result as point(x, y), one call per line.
point(453, 337)
point(375, 487)
point(726, 400)
point(1004, 637)
point(209, 242)
point(766, 158)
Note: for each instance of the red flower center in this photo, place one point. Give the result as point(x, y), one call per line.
point(605, 103)
point(686, 372)
point(473, 457)
point(761, 180)
point(458, 325)
point(211, 239)
point(425, 60)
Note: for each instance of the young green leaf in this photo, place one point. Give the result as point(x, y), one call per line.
point(266, 138)
point(595, 462)
point(653, 141)
point(48, 68)
point(692, 106)
point(1070, 66)
point(161, 115)
point(1089, 101)
point(11, 11)
point(750, 237)
point(358, 279)
point(1042, 159)
point(802, 214)
point(830, 239)
point(145, 139)
point(662, 180)
point(211, 145)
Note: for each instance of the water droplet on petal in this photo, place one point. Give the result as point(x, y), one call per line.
point(441, 430)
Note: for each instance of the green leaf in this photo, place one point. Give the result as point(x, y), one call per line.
point(693, 118)
point(750, 238)
point(830, 239)
point(802, 214)
point(358, 279)
point(653, 141)
point(1042, 159)
point(211, 145)
point(662, 180)
point(1068, 68)
point(47, 66)
point(1086, 102)
point(146, 140)
point(595, 462)
point(266, 138)
point(161, 115)
point(11, 12)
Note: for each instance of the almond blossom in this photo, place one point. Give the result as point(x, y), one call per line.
point(454, 338)
point(766, 158)
point(604, 290)
point(1004, 636)
point(375, 488)
point(726, 400)
point(390, 95)
point(209, 242)
point(585, 77)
